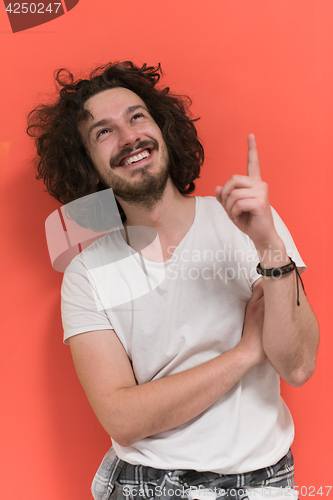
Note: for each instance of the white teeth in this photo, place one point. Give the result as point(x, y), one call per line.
point(140, 156)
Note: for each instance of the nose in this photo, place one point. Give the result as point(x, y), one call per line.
point(128, 137)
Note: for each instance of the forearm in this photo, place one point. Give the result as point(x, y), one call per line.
point(137, 412)
point(291, 333)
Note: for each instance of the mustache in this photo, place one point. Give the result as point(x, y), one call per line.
point(115, 160)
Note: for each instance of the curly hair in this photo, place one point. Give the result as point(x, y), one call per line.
point(65, 166)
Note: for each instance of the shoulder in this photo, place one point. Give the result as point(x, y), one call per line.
point(211, 213)
point(209, 201)
point(97, 253)
point(209, 205)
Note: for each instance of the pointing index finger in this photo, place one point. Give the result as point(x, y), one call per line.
point(253, 169)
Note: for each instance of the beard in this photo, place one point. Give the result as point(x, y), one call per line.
point(148, 188)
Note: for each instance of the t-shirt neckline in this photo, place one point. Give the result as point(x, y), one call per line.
point(176, 250)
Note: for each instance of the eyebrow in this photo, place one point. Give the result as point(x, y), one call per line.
point(106, 121)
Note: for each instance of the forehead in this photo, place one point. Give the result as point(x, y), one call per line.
point(112, 102)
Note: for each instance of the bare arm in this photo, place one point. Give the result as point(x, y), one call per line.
point(130, 412)
point(291, 332)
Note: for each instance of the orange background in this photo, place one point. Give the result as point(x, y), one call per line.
point(262, 66)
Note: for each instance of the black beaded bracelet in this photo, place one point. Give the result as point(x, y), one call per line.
point(277, 272)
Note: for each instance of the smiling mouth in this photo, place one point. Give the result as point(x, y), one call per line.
point(135, 158)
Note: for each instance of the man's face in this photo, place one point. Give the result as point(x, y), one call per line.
point(126, 146)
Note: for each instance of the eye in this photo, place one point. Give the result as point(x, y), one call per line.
point(137, 115)
point(102, 132)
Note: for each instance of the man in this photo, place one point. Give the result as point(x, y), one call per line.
point(185, 378)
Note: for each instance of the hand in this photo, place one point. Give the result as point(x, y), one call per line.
point(246, 201)
point(251, 339)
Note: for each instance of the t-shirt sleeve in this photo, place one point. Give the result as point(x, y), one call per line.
point(287, 239)
point(81, 309)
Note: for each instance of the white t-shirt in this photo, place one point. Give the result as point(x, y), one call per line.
point(175, 315)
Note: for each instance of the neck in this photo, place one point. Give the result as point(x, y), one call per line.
point(167, 213)
point(171, 217)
